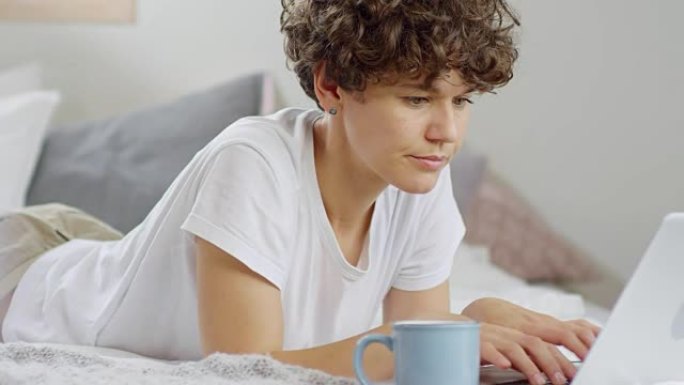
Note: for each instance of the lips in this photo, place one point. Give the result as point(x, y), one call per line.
point(432, 157)
point(430, 162)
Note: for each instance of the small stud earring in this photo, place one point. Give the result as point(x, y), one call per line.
point(332, 111)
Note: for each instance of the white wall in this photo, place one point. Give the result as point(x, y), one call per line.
point(590, 129)
point(175, 46)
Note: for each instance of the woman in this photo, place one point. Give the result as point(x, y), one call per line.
point(286, 233)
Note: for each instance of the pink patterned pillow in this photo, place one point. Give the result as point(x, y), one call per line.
point(520, 241)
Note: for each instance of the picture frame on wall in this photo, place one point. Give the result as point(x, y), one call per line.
point(107, 11)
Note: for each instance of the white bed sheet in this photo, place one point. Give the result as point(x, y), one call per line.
point(474, 276)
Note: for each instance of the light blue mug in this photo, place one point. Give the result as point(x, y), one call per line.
point(428, 353)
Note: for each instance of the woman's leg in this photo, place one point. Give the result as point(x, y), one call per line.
point(27, 233)
point(23, 238)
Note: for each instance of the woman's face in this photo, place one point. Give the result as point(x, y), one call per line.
point(406, 134)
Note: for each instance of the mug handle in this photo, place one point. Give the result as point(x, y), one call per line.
point(361, 346)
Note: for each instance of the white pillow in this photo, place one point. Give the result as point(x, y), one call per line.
point(24, 120)
point(20, 79)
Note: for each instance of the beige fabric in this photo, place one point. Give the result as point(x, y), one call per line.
point(27, 233)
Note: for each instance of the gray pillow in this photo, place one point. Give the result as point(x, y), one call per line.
point(119, 168)
point(467, 169)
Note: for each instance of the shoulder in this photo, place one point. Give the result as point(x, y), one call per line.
point(275, 143)
point(285, 129)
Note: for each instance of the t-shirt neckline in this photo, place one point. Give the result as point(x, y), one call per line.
point(348, 270)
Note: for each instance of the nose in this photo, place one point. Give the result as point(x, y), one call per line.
point(444, 125)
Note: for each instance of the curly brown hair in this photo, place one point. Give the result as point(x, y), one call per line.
point(383, 40)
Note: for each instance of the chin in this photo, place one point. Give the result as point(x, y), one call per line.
point(418, 185)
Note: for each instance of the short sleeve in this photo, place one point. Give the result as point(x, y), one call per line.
point(436, 237)
point(242, 207)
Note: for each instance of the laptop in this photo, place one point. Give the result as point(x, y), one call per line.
point(643, 340)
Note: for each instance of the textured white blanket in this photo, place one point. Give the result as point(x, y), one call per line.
point(22, 363)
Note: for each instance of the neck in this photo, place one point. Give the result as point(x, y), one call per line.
point(348, 188)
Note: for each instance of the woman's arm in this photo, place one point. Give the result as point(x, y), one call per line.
point(240, 312)
point(402, 304)
point(336, 358)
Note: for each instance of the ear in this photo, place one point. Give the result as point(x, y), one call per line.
point(327, 91)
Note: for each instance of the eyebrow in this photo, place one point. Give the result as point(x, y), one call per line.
point(417, 85)
point(429, 88)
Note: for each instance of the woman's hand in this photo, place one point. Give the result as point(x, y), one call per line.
point(505, 348)
point(577, 335)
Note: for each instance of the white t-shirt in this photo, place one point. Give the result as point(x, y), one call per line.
point(252, 192)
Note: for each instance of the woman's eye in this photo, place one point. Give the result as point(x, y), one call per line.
point(416, 100)
point(461, 102)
